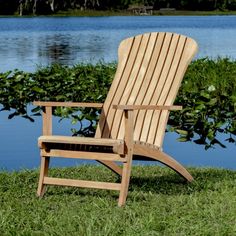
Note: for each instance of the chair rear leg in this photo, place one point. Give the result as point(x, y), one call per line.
point(112, 166)
point(43, 172)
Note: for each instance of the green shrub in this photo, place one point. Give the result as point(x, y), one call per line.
point(208, 95)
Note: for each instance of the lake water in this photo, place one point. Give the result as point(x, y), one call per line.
point(26, 43)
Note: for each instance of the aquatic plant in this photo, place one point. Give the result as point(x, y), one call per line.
point(208, 95)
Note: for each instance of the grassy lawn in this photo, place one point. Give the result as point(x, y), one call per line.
point(159, 203)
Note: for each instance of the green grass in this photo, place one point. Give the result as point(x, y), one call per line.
point(159, 203)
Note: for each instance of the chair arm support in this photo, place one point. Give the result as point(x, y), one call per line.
point(68, 104)
point(47, 112)
point(129, 119)
point(147, 107)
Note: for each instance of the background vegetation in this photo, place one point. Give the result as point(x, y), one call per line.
point(25, 7)
point(208, 95)
point(159, 203)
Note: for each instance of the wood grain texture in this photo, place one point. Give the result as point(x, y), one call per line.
point(67, 104)
point(79, 140)
point(83, 155)
point(150, 70)
point(147, 107)
point(81, 183)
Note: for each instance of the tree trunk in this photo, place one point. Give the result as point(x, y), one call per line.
point(35, 7)
point(21, 7)
point(215, 5)
point(85, 4)
point(52, 5)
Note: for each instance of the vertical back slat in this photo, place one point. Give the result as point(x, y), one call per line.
point(162, 91)
point(150, 69)
point(157, 83)
point(116, 98)
point(125, 50)
point(168, 94)
point(147, 83)
point(131, 86)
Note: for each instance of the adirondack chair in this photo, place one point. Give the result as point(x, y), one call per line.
point(133, 117)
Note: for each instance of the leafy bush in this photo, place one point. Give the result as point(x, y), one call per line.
point(208, 95)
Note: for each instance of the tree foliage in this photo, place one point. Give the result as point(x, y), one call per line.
point(25, 7)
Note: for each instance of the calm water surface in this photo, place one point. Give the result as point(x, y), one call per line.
point(18, 149)
point(26, 43)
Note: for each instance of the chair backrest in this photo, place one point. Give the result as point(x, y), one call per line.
point(150, 70)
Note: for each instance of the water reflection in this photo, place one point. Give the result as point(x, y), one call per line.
point(29, 51)
point(24, 152)
point(68, 49)
point(56, 49)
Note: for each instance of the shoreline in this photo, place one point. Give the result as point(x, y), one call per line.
point(96, 13)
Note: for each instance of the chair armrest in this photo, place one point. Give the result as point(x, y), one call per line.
point(67, 104)
point(47, 111)
point(147, 107)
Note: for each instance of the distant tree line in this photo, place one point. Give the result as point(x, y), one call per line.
point(26, 7)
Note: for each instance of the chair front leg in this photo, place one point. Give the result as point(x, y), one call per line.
point(47, 130)
point(43, 173)
point(126, 172)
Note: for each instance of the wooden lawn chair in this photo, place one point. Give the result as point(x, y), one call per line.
point(134, 115)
